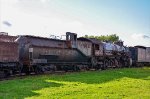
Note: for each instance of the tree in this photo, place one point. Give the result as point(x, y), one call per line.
point(112, 37)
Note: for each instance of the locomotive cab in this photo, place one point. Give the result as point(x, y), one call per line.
point(97, 49)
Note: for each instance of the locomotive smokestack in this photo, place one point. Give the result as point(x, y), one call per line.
point(72, 37)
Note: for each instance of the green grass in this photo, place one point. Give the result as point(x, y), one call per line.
point(129, 83)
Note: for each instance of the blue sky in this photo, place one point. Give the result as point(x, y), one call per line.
point(130, 19)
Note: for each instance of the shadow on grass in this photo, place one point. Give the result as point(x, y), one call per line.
point(22, 88)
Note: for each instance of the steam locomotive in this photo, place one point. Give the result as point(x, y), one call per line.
point(26, 54)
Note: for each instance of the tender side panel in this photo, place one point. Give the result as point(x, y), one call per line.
point(148, 54)
point(9, 52)
point(85, 47)
point(27, 41)
point(141, 55)
point(46, 55)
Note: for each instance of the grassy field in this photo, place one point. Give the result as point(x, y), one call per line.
point(133, 83)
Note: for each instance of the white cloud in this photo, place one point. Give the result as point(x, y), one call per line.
point(137, 39)
point(7, 23)
point(45, 1)
point(140, 36)
point(33, 24)
point(27, 23)
point(9, 1)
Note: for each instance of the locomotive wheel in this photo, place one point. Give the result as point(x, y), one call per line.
point(75, 68)
point(2, 74)
point(19, 68)
point(98, 67)
point(25, 70)
point(109, 64)
point(113, 63)
point(93, 62)
point(6, 73)
point(116, 63)
point(105, 65)
point(38, 69)
point(65, 68)
point(130, 63)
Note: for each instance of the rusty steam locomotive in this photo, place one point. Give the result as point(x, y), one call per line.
point(26, 54)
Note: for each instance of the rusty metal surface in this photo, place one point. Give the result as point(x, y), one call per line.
point(98, 53)
point(100, 50)
point(72, 37)
point(39, 61)
point(9, 52)
point(95, 47)
point(85, 47)
point(7, 38)
point(93, 40)
point(25, 42)
point(58, 54)
point(43, 42)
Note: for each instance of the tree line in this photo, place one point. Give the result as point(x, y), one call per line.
point(112, 37)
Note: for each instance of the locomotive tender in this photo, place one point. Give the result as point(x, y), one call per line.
point(38, 54)
point(140, 55)
point(9, 54)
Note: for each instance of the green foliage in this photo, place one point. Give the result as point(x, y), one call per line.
point(130, 83)
point(112, 37)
